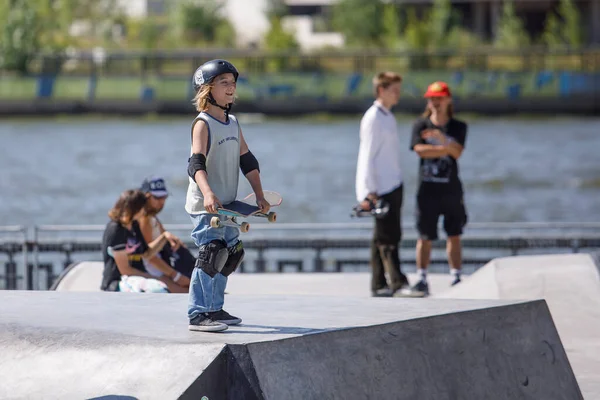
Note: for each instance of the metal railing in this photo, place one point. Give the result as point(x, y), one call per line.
point(13, 241)
point(302, 247)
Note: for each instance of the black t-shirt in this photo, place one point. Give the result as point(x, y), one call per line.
point(117, 237)
point(439, 175)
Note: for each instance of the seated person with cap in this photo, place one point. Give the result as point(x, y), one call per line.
point(124, 249)
point(174, 262)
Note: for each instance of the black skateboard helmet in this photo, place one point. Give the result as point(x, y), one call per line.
point(210, 70)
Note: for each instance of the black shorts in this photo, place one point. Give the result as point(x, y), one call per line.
point(429, 209)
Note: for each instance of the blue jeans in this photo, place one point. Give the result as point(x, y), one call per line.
point(208, 294)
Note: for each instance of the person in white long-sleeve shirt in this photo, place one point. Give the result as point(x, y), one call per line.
point(379, 176)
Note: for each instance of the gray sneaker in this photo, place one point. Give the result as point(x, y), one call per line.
point(203, 323)
point(403, 291)
point(421, 289)
point(224, 317)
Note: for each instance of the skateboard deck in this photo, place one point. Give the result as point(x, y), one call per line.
point(380, 210)
point(246, 208)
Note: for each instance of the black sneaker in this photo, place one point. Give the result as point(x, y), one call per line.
point(456, 280)
point(224, 317)
point(383, 292)
point(421, 288)
point(203, 323)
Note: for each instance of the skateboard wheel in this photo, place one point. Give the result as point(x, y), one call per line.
point(244, 227)
point(272, 217)
point(215, 222)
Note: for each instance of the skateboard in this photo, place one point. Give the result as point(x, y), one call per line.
point(379, 210)
point(245, 208)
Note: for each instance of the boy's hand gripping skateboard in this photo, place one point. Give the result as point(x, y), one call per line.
point(245, 208)
point(379, 209)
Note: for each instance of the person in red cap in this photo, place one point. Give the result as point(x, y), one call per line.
point(439, 139)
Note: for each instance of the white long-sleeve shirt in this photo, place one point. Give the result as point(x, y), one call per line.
point(378, 169)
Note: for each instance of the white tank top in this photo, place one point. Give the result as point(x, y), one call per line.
point(222, 163)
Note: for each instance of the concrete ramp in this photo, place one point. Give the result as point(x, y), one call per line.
point(89, 345)
point(500, 353)
point(83, 276)
point(569, 283)
point(573, 278)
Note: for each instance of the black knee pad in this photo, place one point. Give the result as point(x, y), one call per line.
point(236, 255)
point(212, 257)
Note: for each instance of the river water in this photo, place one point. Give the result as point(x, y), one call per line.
point(71, 170)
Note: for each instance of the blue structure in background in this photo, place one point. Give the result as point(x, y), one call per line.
point(147, 93)
point(92, 85)
point(543, 78)
point(513, 92)
point(570, 83)
point(353, 84)
point(45, 86)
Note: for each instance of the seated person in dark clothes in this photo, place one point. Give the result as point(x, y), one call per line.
point(124, 249)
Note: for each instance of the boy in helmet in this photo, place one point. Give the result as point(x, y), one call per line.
point(218, 152)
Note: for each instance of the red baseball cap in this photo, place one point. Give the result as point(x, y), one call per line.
point(438, 89)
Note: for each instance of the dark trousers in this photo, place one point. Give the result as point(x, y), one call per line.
point(384, 246)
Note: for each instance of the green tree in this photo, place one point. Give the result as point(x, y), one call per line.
point(439, 28)
point(360, 21)
point(416, 32)
point(30, 27)
point(20, 39)
point(564, 29)
point(149, 33)
point(201, 22)
point(391, 26)
point(439, 23)
point(511, 33)
point(460, 38)
point(276, 9)
point(551, 36)
point(278, 39)
point(572, 27)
